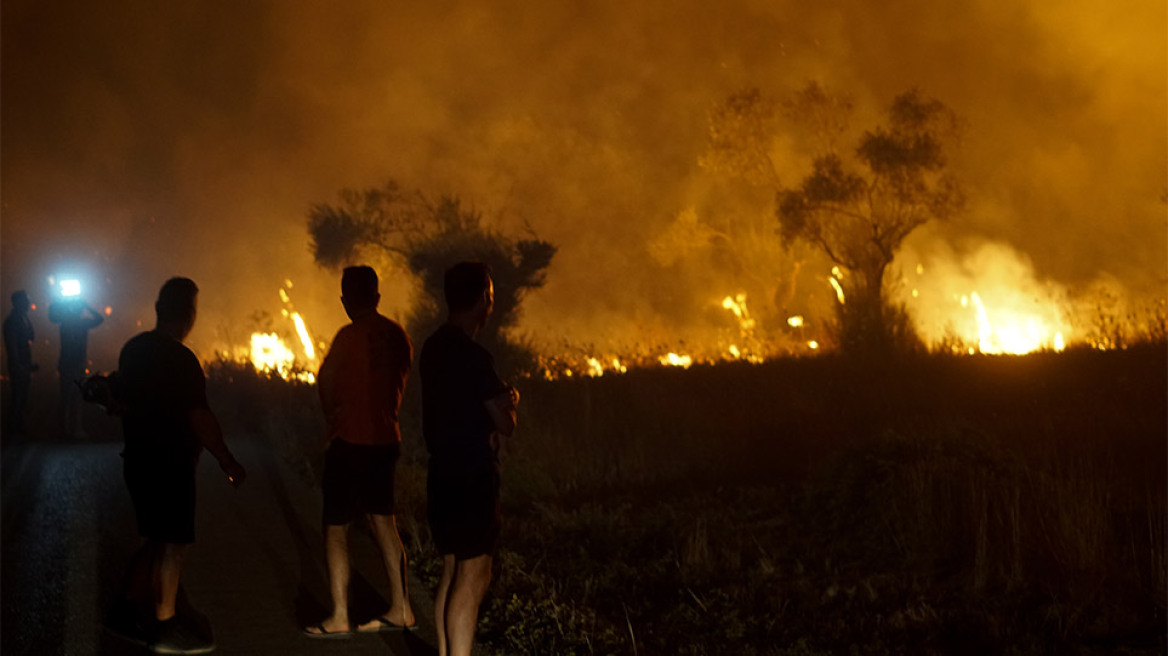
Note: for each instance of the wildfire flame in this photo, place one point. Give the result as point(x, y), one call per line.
point(305, 338)
point(1011, 332)
point(737, 305)
point(1011, 312)
point(675, 360)
point(1002, 317)
point(987, 300)
point(748, 346)
point(268, 352)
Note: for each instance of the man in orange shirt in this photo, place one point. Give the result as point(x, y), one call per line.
point(360, 384)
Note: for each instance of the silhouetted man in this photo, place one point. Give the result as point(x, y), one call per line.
point(76, 319)
point(167, 423)
point(465, 409)
point(18, 338)
point(360, 384)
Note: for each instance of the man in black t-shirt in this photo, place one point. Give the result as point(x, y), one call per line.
point(167, 423)
point(465, 409)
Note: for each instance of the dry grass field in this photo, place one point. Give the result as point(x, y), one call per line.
point(931, 504)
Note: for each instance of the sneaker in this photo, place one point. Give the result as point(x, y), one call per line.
point(176, 637)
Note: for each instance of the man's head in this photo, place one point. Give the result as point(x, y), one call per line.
point(177, 305)
point(20, 301)
point(359, 290)
point(469, 290)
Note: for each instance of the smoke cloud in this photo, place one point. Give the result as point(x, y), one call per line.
point(143, 140)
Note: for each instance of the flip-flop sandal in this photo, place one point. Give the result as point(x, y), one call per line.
point(325, 633)
point(383, 624)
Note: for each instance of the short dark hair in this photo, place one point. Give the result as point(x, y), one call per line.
point(359, 284)
point(464, 283)
point(176, 299)
point(18, 296)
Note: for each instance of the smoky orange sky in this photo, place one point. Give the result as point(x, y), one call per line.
point(142, 140)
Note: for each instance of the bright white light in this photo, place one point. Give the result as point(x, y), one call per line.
point(70, 288)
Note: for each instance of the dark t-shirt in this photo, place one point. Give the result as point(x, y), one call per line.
point(160, 382)
point(458, 377)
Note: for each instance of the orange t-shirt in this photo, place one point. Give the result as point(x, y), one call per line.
point(362, 378)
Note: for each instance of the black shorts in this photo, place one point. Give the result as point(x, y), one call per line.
point(162, 489)
point(463, 510)
point(358, 479)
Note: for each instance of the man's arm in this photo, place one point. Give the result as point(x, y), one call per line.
point(211, 436)
point(502, 411)
point(327, 375)
point(95, 319)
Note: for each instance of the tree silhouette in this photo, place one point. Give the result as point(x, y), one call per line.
point(856, 206)
point(426, 237)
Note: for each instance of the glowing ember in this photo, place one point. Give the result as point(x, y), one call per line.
point(795, 321)
point(595, 369)
point(839, 290)
point(737, 305)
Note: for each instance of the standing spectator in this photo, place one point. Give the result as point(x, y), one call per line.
point(167, 423)
point(76, 319)
point(360, 383)
point(466, 409)
point(18, 338)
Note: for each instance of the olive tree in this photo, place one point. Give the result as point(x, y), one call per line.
point(855, 205)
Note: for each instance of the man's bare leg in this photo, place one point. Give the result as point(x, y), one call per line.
point(444, 580)
point(336, 548)
point(138, 586)
point(393, 552)
point(168, 562)
point(471, 578)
